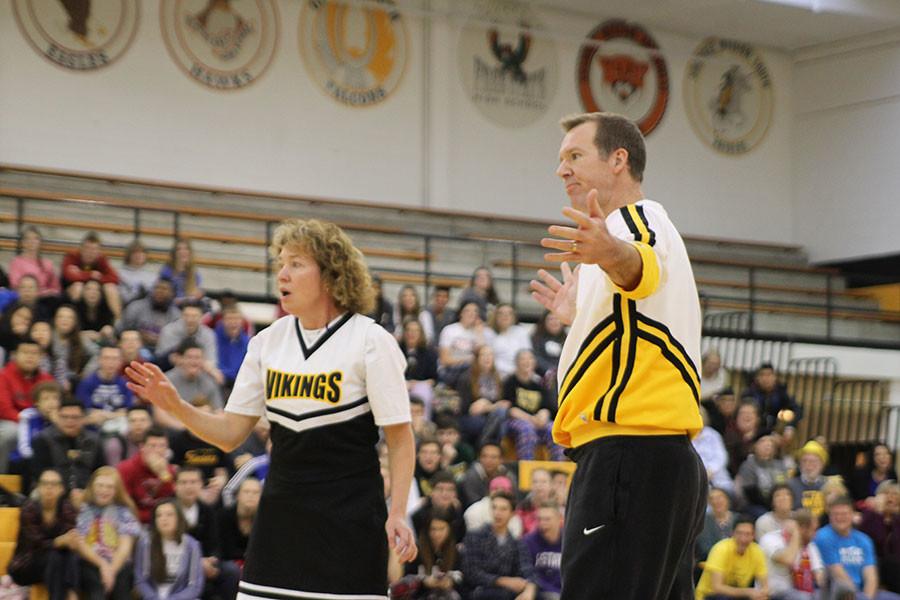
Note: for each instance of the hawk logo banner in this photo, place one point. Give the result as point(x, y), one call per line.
point(728, 95)
point(357, 53)
point(81, 35)
point(508, 68)
point(223, 44)
point(621, 70)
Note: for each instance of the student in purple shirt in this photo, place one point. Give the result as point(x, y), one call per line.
point(545, 547)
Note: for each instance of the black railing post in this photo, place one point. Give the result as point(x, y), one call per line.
point(20, 219)
point(267, 259)
point(515, 276)
point(829, 305)
point(176, 225)
point(137, 223)
point(427, 268)
point(752, 316)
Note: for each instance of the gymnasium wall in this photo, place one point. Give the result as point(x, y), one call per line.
point(845, 148)
point(426, 145)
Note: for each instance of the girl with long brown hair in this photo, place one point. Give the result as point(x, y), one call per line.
point(167, 561)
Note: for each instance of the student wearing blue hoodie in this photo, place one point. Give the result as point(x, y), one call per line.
point(168, 562)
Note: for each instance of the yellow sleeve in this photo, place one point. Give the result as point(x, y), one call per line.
point(717, 561)
point(760, 572)
point(649, 273)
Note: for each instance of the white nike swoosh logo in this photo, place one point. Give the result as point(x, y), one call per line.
point(593, 530)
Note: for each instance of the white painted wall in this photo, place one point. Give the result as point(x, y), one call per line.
point(143, 117)
point(847, 100)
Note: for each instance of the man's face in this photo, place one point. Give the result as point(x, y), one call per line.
point(248, 496)
point(27, 357)
point(27, 290)
point(441, 298)
point(765, 379)
point(727, 404)
point(807, 531)
point(109, 362)
point(429, 456)
point(501, 511)
point(490, 458)
point(155, 447)
point(138, 423)
point(811, 466)
point(130, 343)
point(548, 522)
point(191, 316)
point(71, 420)
point(582, 168)
point(443, 495)
point(448, 435)
point(192, 362)
point(541, 485)
point(841, 518)
point(90, 252)
point(48, 403)
point(782, 500)
point(188, 486)
point(232, 323)
point(743, 535)
point(162, 293)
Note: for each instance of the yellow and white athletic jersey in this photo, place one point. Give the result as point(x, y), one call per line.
point(629, 363)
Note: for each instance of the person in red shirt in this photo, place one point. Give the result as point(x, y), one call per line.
point(148, 476)
point(17, 379)
point(86, 263)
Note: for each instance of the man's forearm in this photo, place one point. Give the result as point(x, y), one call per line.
point(624, 266)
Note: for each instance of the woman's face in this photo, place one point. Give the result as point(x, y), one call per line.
point(438, 532)
point(408, 300)
point(882, 458)
point(92, 293)
point(468, 316)
point(485, 358)
point(166, 520)
point(765, 449)
point(553, 325)
point(782, 501)
point(104, 490)
point(300, 282)
point(482, 279)
point(31, 242)
point(20, 321)
point(718, 501)
point(505, 316)
point(50, 488)
point(41, 333)
point(64, 320)
point(412, 334)
point(525, 362)
point(138, 258)
point(746, 418)
point(182, 253)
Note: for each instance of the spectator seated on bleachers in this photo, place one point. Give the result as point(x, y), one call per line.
point(442, 497)
point(428, 463)
point(482, 408)
point(17, 380)
point(167, 560)
point(108, 527)
point(713, 377)
point(105, 395)
point(409, 307)
point(421, 363)
point(545, 548)
point(722, 409)
point(149, 315)
point(228, 300)
point(456, 455)
point(423, 428)
point(42, 333)
point(138, 422)
point(70, 352)
point(541, 493)
point(189, 327)
point(235, 522)
point(711, 448)
point(440, 312)
point(882, 524)
point(221, 578)
point(794, 563)
point(182, 271)
point(190, 451)
point(437, 567)
point(530, 417)
point(135, 277)
point(31, 262)
point(736, 567)
point(718, 524)
point(511, 338)
point(759, 474)
point(878, 468)
point(257, 467)
point(46, 398)
point(68, 447)
point(383, 312)
point(480, 291)
point(191, 381)
point(147, 476)
point(479, 513)
point(782, 506)
point(94, 314)
point(27, 293)
point(14, 326)
point(496, 565)
point(47, 539)
point(776, 406)
point(458, 342)
point(808, 483)
point(547, 340)
point(87, 263)
point(849, 555)
point(739, 441)
point(231, 342)
point(476, 481)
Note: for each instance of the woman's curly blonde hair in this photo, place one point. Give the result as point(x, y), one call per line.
point(344, 271)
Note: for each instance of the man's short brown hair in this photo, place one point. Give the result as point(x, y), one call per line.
point(614, 132)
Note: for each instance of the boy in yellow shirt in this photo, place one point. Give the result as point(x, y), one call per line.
point(733, 565)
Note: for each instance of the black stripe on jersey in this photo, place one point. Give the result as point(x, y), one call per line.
point(632, 226)
point(616, 352)
point(588, 340)
point(322, 338)
point(272, 595)
point(631, 327)
point(687, 357)
point(661, 344)
point(587, 364)
point(640, 211)
point(317, 413)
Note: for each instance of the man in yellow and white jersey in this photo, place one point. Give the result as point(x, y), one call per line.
point(629, 388)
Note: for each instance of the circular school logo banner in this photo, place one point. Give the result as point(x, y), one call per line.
point(508, 69)
point(728, 95)
point(621, 70)
point(81, 35)
point(357, 53)
point(223, 44)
